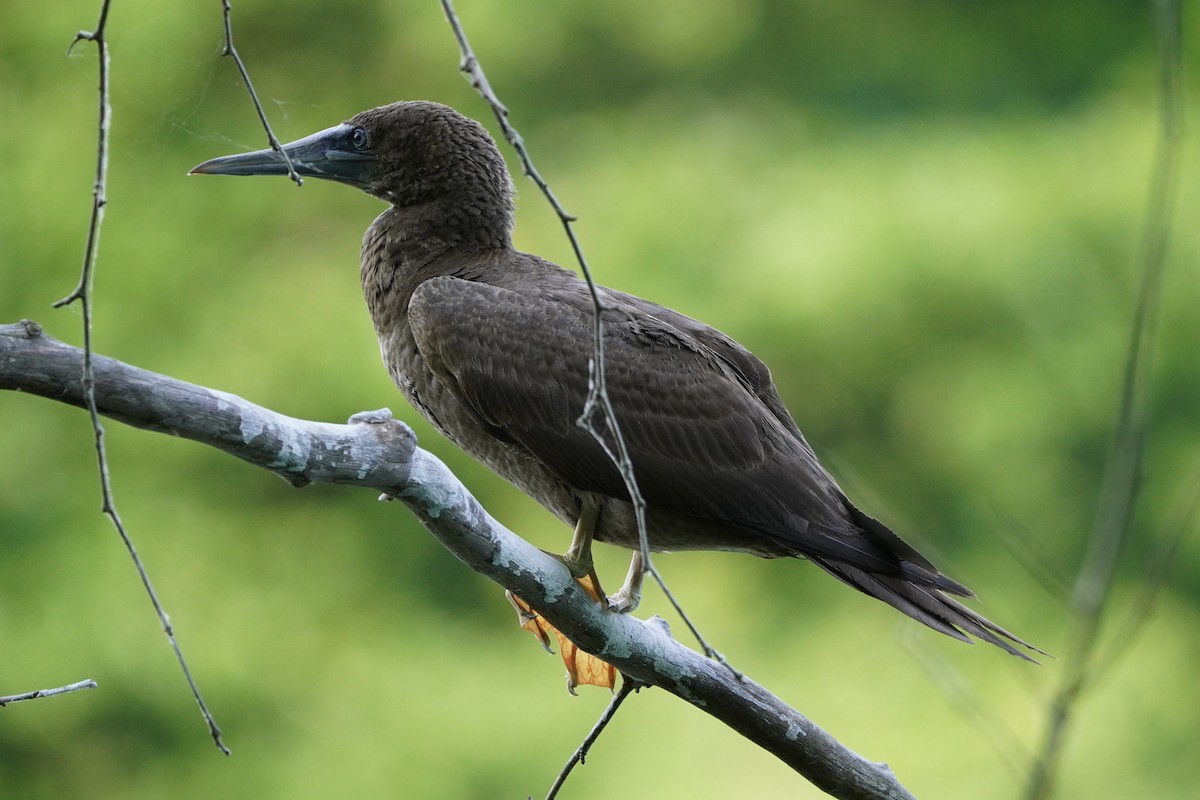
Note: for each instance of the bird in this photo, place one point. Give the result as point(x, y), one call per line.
point(492, 346)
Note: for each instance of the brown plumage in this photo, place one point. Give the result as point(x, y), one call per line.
point(492, 345)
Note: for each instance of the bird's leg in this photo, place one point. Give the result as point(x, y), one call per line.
point(578, 557)
point(582, 667)
point(630, 594)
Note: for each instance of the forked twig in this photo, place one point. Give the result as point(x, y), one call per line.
point(83, 293)
point(597, 398)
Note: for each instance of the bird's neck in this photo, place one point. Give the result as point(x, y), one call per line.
point(403, 248)
point(454, 222)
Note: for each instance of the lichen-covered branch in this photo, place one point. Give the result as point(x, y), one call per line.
point(378, 452)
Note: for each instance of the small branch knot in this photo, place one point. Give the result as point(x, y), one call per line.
point(82, 36)
point(379, 416)
point(391, 431)
point(296, 480)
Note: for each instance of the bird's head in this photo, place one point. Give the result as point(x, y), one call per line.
point(424, 158)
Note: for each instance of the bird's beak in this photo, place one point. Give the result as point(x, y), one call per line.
point(328, 154)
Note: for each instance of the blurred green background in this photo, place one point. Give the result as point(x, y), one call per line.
point(924, 216)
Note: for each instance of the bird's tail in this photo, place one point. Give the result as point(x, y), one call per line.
point(927, 604)
point(919, 590)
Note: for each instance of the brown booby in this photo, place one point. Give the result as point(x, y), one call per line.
point(492, 346)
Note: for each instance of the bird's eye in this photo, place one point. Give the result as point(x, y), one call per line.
point(358, 137)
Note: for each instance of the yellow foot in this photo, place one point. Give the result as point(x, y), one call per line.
point(583, 668)
point(625, 600)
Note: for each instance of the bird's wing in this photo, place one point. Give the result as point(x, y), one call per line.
point(751, 371)
point(702, 441)
point(700, 430)
point(755, 375)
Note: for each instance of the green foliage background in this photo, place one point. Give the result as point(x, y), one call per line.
point(924, 216)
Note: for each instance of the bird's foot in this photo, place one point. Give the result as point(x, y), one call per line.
point(582, 668)
point(578, 563)
point(528, 619)
point(629, 596)
point(625, 600)
point(582, 570)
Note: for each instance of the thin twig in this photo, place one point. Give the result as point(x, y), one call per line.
point(628, 687)
point(36, 693)
point(1123, 472)
point(231, 51)
point(1160, 564)
point(967, 701)
point(597, 398)
point(83, 293)
point(1024, 549)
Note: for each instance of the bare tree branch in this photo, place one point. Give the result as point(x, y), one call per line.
point(83, 294)
point(1123, 471)
point(36, 693)
point(378, 452)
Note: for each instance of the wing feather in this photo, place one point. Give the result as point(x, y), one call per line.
point(708, 434)
point(702, 440)
point(694, 407)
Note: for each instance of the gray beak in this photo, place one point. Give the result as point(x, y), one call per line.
point(331, 154)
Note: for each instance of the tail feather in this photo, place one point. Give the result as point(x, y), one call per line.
point(869, 556)
point(912, 562)
point(926, 603)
